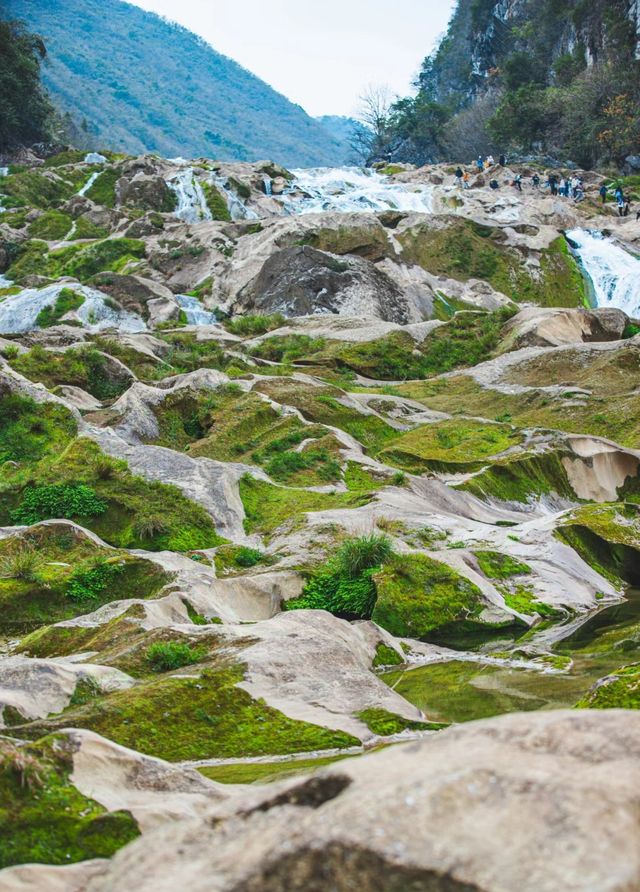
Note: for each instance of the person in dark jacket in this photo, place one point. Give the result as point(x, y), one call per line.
point(502, 161)
point(603, 193)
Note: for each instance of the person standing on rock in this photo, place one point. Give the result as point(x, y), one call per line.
point(459, 176)
point(480, 163)
point(603, 193)
point(466, 180)
point(502, 161)
point(518, 182)
point(535, 181)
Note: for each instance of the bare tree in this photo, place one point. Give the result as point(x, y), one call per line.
point(372, 136)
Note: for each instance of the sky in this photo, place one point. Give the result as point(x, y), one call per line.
point(320, 55)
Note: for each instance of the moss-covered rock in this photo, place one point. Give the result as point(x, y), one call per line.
point(44, 818)
point(83, 367)
point(607, 537)
point(522, 478)
point(418, 596)
point(618, 691)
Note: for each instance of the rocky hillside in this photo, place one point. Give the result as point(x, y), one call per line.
point(142, 84)
point(292, 470)
point(554, 76)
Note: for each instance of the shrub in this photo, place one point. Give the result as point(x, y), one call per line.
point(149, 526)
point(253, 325)
point(345, 586)
point(248, 557)
point(58, 501)
point(166, 656)
point(22, 563)
point(87, 585)
point(288, 347)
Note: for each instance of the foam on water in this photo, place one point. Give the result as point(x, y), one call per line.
point(18, 313)
point(194, 311)
point(614, 273)
point(352, 189)
point(192, 203)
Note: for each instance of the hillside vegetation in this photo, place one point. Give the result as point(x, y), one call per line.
point(145, 84)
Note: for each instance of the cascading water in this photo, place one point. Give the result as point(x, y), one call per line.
point(192, 202)
point(94, 176)
point(19, 312)
point(237, 209)
point(351, 189)
point(614, 273)
point(194, 312)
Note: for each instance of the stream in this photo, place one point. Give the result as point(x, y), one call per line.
point(473, 688)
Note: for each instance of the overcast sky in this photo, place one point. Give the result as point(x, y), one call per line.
point(320, 55)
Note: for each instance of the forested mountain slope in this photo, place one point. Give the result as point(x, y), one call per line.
point(144, 84)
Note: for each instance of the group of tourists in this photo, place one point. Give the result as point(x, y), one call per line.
point(562, 187)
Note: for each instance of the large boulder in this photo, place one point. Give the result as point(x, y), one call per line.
point(146, 192)
point(533, 802)
point(541, 327)
point(139, 295)
point(302, 281)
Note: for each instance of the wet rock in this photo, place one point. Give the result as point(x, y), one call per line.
point(454, 813)
point(148, 192)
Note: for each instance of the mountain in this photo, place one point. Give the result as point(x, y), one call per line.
point(145, 84)
point(341, 128)
point(555, 76)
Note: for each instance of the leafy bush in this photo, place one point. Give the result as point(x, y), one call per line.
point(254, 325)
point(248, 557)
point(166, 656)
point(345, 586)
point(58, 501)
point(88, 585)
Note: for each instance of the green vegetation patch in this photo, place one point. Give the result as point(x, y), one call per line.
point(522, 599)
point(133, 512)
point(167, 656)
point(287, 348)
point(233, 559)
point(30, 430)
point(264, 772)
point(621, 691)
point(254, 325)
point(386, 656)
point(385, 724)
point(607, 537)
point(67, 301)
point(44, 818)
point(216, 202)
point(52, 573)
point(103, 190)
point(522, 479)
point(268, 507)
point(83, 367)
point(496, 565)
point(416, 596)
point(449, 444)
point(208, 716)
point(51, 226)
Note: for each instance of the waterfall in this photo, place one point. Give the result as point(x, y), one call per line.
point(352, 189)
point(614, 273)
point(237, 208)
point(4, 171)
point(268, 186)
point(192, 203)
point(19, 312)
point(89, 183)
point(194, 311)
point(94, 158)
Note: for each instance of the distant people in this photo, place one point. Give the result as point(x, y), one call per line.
point(603, 193)
point(578, 192)
point(459, 176)
point(480, 163)
point(466, 180)
point(518, 183)
point(490, 160)
point(494, 184)
point(535, 181)
point(552, 183)
point(502, 161)
point(621, 205)
point(627, 206)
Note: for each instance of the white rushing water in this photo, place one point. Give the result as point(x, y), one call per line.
point(94, 158)
point(614, 273)
point(94, 176)
point(18, 313)
point(352, 189)
point(237, 209)
point(192, 203)
point(194, 311)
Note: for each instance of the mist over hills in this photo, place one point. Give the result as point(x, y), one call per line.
point(145, 84)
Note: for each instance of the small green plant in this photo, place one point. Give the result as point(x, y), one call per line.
point(66, 302)
point(166, 656)
point(58, 501)
point(86, 586)
point(149, 526)
point(21, 564)
point(253, 325)
point(248, 557)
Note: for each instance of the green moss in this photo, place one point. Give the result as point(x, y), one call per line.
point(620, 691)
point(103, 191)
point(607, 537)
point(254, 325)
point(216, 202)
point(139, 513)
point(166, 656)
point(66, 302)
point(33, 188)
point(463, 249)
point(386, 656)
point(51, 226)
point(85, 229)
point(44, 818)
point(268, 507)
point(495, 565)
point(522, 478)
point(523, 600)
point(198, 718)
point(417, 596)
point(450, 444)
point(83, 367)
point(30, 430)
point(264, 772)
point(287, 348)
point(110, 254)
point(69, 575)
point(237, 558)
point(385, 724)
